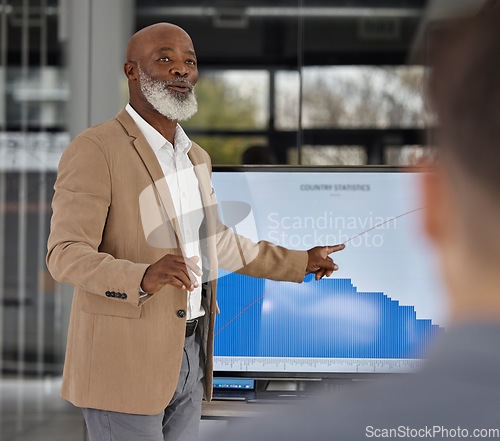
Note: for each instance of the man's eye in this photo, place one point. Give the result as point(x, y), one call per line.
point(191, 62)
point(165, 59)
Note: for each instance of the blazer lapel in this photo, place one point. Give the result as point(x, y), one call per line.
point(153, 167)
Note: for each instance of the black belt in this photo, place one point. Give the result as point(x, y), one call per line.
point(191, 326)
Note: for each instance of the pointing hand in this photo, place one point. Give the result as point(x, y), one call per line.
point(320, 263)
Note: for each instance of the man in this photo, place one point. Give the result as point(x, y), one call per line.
point(141, 332)
point(457, 393)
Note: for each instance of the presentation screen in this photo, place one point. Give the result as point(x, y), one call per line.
point(378, 313)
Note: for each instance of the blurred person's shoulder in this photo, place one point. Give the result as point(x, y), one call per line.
point(457, 389)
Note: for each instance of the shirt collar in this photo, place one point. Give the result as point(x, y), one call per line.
point(155, 139)
point(182, 142)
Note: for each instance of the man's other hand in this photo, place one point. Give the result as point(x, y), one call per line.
point(320, 263)
point(172, 270)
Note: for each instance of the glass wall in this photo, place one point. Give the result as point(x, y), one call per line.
point(308, 82)
point(327, 101)
point(233, 113)
point(33, 106)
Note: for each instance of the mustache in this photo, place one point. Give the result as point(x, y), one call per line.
point(186, 82)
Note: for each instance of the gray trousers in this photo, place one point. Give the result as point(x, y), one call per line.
point(179, 421)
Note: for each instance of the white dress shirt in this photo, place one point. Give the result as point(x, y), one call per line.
point(184, 189)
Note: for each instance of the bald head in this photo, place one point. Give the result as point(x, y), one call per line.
point(151, 35)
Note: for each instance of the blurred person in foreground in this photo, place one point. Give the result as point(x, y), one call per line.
point(457, 392)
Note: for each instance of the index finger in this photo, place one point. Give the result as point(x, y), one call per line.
point(332, 248)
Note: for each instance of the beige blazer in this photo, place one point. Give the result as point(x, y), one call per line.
point(124, 353)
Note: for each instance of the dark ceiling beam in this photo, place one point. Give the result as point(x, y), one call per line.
point(281, 12)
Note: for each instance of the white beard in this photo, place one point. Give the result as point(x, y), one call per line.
point(176, 106)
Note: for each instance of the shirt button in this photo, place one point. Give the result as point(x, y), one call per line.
point(181, 313)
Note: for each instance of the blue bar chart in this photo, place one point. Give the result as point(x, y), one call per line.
point(329, 318)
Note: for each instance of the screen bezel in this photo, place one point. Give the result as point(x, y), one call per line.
point(318, 168)
point(313, 169)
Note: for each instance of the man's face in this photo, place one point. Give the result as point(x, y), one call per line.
point(173, 99)
point(168, 73)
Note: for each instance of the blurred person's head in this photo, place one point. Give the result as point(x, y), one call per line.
point(258, 155)
point(463, 195)
point(162, 71)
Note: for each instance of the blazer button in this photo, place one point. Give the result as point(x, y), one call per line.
point(113, 294)
point(124, 296)
point(108, 294)
point(181, 313)
point(118, 295)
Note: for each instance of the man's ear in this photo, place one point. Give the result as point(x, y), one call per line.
point(434, 195)
point(130, 69)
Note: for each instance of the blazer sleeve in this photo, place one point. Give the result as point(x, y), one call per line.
point(239, 254)
point(264, 259)
point(80, 208)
